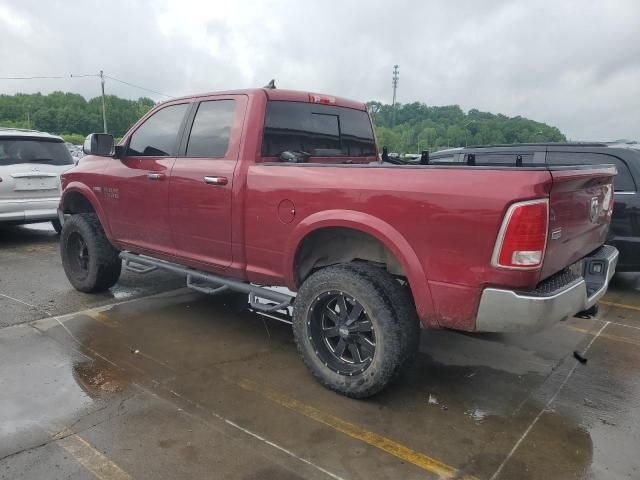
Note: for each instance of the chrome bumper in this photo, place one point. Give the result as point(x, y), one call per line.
point(29, 209)
point(512, 311)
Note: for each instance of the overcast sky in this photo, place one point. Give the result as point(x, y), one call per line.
point(572, 64)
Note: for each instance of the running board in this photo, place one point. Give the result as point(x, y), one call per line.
point(143, 264)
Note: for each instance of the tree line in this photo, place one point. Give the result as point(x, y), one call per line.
point(70, 114)
point(417, 126)
point(421, 127)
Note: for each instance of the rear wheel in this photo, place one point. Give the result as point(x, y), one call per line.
point(347, 331)
point(402, 303)
point(90, 262)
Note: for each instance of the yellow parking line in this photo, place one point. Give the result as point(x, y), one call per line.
point(392, 447)
point(91, 459)
point(620, 305)
point(615, 338)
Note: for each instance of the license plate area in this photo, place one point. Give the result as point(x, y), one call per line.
point(36, 183)
point(596, 270)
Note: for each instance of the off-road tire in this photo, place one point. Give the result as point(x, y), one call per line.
point(390, 340)
point(57, 226)
point(99, 267)
point(402, 303)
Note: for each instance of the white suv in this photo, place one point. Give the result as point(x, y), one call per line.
point(30, 166)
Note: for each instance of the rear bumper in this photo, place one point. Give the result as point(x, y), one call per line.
point(29, 209)
point(513, 311)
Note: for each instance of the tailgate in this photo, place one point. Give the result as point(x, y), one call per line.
point(579, 214)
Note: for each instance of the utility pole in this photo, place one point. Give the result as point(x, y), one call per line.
point(394, 82)
point(104, 112)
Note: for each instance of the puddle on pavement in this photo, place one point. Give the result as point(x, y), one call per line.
point(477, 414)
point(38, 385)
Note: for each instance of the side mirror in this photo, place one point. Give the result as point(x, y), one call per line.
point(100, 144)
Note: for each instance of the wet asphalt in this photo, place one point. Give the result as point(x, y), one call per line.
point(151, 380)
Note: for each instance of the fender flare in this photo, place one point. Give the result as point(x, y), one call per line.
point(86, 192)
point(377, 228)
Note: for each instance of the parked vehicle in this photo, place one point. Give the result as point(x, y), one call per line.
point(245, 189)
point(30, 166)
point(75, 151)
point(624, 233)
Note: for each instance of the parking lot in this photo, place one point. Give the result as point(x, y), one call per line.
point(152, 380)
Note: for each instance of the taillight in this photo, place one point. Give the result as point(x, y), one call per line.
point(523, 236)
point(608, 201)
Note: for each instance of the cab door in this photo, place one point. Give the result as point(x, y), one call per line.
point(202, 181)
point(136, 187)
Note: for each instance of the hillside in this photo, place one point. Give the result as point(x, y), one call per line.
point(422, 127)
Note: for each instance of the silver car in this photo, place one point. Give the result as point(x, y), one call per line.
point(30, 166)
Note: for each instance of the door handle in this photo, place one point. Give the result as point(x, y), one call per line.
point(155, 176)
point(216, 180)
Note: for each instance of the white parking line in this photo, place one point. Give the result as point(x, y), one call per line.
point(20, 301)
point(545, 408)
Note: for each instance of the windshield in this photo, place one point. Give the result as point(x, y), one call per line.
point(18, 150)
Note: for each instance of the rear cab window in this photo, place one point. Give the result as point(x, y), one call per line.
point(319, 130)
point(623, 181)
point(18, 150)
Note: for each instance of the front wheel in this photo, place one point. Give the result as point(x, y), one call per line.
point(57, 226)
point(89, 260)
point(346, 330)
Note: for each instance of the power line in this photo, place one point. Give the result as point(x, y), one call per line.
point(138, 86)
point(72, 75)
point(101, 75)
point(47, 77)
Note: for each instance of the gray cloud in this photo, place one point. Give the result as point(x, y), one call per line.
point(573, 64)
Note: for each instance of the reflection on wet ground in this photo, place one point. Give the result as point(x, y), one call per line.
point(469, 399)
point(176, 386)
point(33, 284)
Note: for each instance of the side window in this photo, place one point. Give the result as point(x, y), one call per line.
point(623, 182)
point(158, 135)
point(211, 129)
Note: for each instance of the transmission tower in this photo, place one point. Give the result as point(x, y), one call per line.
point(394, 82)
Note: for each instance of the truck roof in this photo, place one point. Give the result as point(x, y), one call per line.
point(283, 95)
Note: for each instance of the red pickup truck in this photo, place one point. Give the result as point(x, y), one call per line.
point(243, 190)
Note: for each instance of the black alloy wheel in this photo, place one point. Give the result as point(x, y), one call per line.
point(341, 332)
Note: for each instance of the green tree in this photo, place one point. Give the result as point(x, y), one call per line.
point(70, 113)
point(422, 127)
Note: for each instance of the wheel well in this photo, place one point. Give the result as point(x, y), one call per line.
point(75, 202)
point(333, 245)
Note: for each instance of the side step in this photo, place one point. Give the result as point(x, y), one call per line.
point(143, 264)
